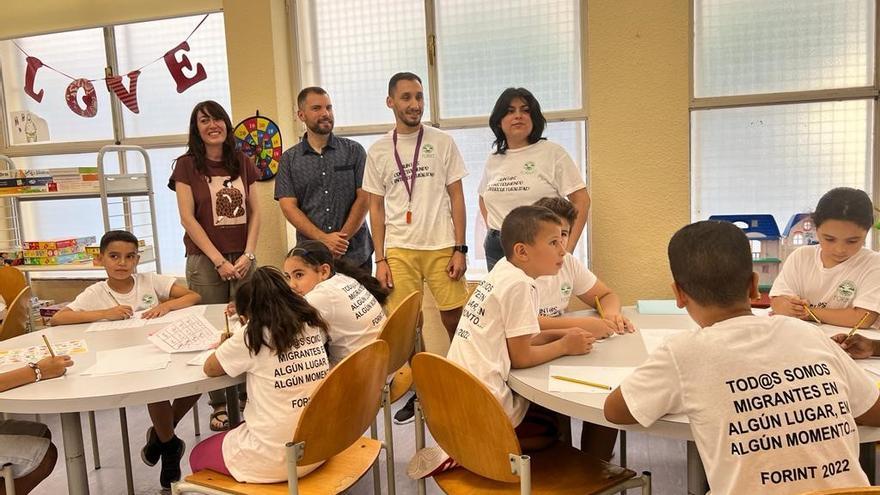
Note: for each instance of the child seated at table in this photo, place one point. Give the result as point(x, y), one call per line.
point(123, 294)
point(349, 299)
point(772, 402)
point(25, 445)
point(554, 291)
point(281, 349)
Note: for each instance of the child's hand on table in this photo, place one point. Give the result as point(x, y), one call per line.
point(121, 312)
point(156, 311)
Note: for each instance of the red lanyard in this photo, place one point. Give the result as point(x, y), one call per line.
point(410, 183)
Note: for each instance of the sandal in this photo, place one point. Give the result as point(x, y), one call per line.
point(219, 420)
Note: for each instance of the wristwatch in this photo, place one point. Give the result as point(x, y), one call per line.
point(250, 256)
point(37, 371)
point(462, 248)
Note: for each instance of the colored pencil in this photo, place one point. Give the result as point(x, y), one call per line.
point(812, 315)
point(582, 382)
point(851, 332)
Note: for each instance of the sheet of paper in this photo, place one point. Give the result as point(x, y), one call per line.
point(36, 352)
point(605, 375)
point(870, 367)
point(128, 360)
point(171, 317)
point(200, 358)
point(194, 333)
point(653, 337)
point(101, 326)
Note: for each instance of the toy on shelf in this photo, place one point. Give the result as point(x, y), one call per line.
point(57, 251)
point(800, 231)
point(763, 235)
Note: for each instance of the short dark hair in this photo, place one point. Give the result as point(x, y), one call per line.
point(301, 97)
point(500, 110)
point(315, 253)
point(561, 207)
point(711, 261)
point(401, 76)
point(118, 235)
point(845, 203)
point(522, 224)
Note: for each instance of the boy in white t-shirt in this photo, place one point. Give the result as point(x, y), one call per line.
point(554, 291)
point(123, 294)
point(772, 402)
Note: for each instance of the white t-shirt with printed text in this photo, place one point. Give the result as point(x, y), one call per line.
point(522, 176)
point(440, 164)
point(353, 315)
point(504, 305)
point(771, 403)
point(555, 291)
point(149, 290)
point(279, 386)
point(853, 283)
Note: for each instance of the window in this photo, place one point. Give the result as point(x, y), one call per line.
point(163, 112)
point(784, 104)
point(466, 53)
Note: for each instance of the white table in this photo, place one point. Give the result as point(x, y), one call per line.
point(629, 350)
point(75, 393)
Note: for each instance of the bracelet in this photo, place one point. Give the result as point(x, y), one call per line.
point(37, 371)
point(381, 260)
point(217, 267)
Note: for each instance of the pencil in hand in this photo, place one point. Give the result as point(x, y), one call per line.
point(48, 345)
point(812, 315)
point(859, 324)
point(599, 308)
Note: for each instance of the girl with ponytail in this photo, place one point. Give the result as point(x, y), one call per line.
point(349, 299)
point(282, 350)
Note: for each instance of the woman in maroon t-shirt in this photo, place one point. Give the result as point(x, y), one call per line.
point(217, 201)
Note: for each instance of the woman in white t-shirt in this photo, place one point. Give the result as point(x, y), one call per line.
point(838, 281)
point(281, 348)
point(524, 168)
point(349, 299)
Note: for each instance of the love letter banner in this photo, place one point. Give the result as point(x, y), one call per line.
point(80, 93)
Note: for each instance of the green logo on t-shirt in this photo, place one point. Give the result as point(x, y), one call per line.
point(148, 301)
point(845, 291)
point(427, 148)
point(529, 168)
point(565, 289)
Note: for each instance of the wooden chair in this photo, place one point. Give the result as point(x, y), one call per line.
point(11, 282)
point(18, 311)
point(330, 428)
point(864, 490)
point(469, 424)
point(399, 332)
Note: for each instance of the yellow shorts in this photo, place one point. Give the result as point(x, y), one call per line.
point(411, 268)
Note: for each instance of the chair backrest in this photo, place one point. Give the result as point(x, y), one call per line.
point(344, 405)
point(863, 490)
point(17, 313)
point(465, 419)
point(11, 282)
point(400, 331)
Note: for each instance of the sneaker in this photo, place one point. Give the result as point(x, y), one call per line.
point(152, 450)
point(172, 453)
point(406, 414)
point(428, 462)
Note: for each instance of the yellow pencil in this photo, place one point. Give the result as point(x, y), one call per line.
point(582, 382)
point(48, 345)
point(812, 315)
point(851, 332)
point(599, 308)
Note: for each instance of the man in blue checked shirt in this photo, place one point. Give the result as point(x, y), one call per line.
point(318, 184)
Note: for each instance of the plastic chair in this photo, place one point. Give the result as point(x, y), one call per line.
point(340, 410)
point(469, 424)
point(399, 332)
point(9, 482)
point(11, 282)
point(18, 312)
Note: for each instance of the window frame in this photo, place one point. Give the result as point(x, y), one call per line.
point(783, 98)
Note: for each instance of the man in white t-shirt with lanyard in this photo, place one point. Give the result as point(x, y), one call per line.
point(417, 212)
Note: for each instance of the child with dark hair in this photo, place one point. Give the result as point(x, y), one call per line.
point(575, 279)
point(281, 349)
point(772, 402)
point(123, 294)
point(349, 299)
point(838, 279)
